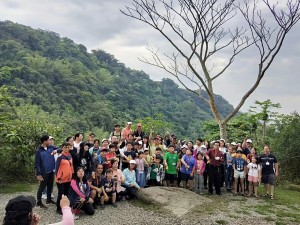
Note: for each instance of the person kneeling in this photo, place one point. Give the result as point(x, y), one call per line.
point(79, 194)
point(108, 189)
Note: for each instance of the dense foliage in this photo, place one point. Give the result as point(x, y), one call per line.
point(90, 89)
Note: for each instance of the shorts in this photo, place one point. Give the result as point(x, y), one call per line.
point(268, 179)
point(239, 174)
point(171, 177)
point(186, 177)
point(253, 179)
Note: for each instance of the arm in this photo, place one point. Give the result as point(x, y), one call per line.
point(57, 169)
point(183, 162)
point(37, 163)
point(76, 189)
point(67, 217)
point(276, 169)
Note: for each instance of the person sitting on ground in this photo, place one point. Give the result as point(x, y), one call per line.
point(19, 211)
point(108, 189)
point(130, 180)
point(80, 194)
point(96, 184)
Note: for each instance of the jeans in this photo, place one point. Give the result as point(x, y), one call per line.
point(229, 177)
point(46, 182)
point(140, 178)
point(198, 182)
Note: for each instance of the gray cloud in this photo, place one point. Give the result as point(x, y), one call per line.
point(99, 24)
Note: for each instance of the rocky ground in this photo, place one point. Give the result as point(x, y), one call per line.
point(169, 206)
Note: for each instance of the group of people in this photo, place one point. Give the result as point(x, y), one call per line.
point(95, 173)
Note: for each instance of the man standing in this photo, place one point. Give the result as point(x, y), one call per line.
point(269, 165)
point(44, 166)
point(215, 159)
point(126, 131)
point(138, 134)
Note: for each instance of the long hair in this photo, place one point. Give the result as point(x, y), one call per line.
point(75, 177)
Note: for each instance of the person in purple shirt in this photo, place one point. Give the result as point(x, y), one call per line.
point(188, 164)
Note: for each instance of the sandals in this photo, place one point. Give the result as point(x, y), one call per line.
point(266, 195)
point(272, 197)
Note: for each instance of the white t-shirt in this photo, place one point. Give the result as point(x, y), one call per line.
point(253, 169)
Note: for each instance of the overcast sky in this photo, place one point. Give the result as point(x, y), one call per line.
point(99, 24)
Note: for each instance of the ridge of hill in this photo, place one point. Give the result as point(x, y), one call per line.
point(92, 89)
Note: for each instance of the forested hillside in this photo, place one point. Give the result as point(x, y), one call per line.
point(87, 90)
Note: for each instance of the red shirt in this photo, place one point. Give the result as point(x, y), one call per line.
point(109, 156)
point(212, 154)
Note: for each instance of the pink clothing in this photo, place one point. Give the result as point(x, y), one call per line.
point(76, 189)
point(200, 167)
point(253, 179)
point(67, 218)
point(121, 179)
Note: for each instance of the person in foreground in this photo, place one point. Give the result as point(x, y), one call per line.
point(19, 211)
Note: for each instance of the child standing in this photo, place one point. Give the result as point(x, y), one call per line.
point(254, 172)
point(140, 162)
point(199, 170)
point(239, 166)
point(156, 172)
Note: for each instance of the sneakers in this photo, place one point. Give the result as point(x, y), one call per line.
point(44, 196)
point(102, 207)
point(50, 202)
point(41, 205)
point(114, 205)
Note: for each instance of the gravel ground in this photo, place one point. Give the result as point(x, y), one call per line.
point(129, 212)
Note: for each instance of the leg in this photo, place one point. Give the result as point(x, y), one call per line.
point(255, 189)
point(42, 186)
point(243, 185)
point(218, 180)
point(200, 183)
point(88, 208)
point(191, 183)
point(114, 197)
point(235, 185)
point(50, 177)
point(59, 195)
point(210, 180)
point(250, 188)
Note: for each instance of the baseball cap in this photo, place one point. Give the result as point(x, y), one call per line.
point(104, 150)
point(184, 146)
point(233, 143)
point(129, 123)
point(50, 137)
point(249, 141)
point(203, 146)
point(19, 207)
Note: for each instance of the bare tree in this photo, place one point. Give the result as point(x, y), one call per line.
point(201, 30)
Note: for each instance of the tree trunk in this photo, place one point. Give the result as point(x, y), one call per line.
point(223, 130)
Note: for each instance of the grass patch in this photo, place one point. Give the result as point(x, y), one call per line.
point(16, 187)
point(221, 222)
point(147, 205)
point(280, 223)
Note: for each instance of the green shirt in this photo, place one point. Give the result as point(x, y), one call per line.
point(171, 160)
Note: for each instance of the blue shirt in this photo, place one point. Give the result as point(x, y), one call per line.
point(190, 161)
point(239, 164)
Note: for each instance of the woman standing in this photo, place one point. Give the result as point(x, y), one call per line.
point(63, 173)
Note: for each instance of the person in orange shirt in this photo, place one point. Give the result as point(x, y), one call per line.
point(63, 173)
point(126, 131)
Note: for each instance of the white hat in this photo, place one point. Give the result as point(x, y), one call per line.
point(50, 137)
point(140, 142)
point(233, 143)
point(222, 139)
point(203, 146)
point(132, 162)
point(129, 123)
point(184, 146)
point(249, 141)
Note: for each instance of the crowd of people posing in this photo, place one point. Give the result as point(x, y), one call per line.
point(96, 173)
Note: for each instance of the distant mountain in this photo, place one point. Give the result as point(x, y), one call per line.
point(91, 89)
